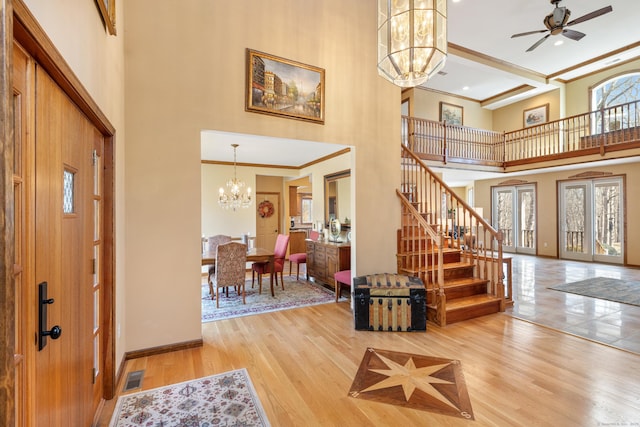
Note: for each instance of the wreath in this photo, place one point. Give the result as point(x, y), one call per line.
point(265, 209)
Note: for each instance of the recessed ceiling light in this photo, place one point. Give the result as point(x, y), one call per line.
point(558, 43)
point(466, 87)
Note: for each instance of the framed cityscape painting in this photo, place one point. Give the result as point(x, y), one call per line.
point(285, 88)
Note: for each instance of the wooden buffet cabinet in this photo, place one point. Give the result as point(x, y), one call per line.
point(297, 241)
point(324, 259)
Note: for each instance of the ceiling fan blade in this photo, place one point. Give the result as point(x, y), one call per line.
point(528, 33)
point(573, 35)
point(591, 15)
point(538, 43)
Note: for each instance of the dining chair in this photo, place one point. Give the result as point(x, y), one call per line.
point(301, 258)
point(342, 279)
point(231, 260)
point(213, 243)
point(279, 254)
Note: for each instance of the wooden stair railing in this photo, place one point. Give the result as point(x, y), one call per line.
point(433, 213)
point(416, 240)
point(607, 130)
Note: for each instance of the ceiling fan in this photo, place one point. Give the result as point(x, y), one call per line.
point(556, 22)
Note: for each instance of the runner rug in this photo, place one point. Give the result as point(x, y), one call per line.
point(623, 291)
point(226, 399)
point(297, 293)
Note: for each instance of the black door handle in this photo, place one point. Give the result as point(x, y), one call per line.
point(43, 333)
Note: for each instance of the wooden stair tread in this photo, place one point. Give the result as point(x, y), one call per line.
point(466, 302)
point(431, 251)
point(452, 265)
point(424, 269)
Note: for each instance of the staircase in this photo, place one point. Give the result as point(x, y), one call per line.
point(449, 246)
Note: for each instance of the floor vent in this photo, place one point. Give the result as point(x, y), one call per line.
point(134, 380)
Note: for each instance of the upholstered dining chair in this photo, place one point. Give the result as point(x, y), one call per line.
point(279, 254)
point(213, 243)
point(301, 258)
point(231, 260)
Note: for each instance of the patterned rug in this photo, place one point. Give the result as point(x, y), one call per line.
point(297, 293)
point(413, 381)
point(623, 291)
point(219, 400)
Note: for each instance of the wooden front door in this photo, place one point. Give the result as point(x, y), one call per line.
point(67, 372)
point(267, 225)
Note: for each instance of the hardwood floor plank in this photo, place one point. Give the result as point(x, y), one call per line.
point(302, 363)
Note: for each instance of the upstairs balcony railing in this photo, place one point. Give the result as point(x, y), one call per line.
point(596, 132)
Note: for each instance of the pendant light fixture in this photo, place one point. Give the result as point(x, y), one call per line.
point(235, 197)
point(412, 40)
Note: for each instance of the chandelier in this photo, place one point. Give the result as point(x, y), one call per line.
point(412, 40)
point(235, 198)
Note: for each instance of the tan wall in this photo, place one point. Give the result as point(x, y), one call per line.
point(547, 209)
point(425, 104)
point(511, 117)
point(186, 73)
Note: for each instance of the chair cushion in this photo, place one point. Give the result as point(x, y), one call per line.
point(298, 258)
point(343, 276)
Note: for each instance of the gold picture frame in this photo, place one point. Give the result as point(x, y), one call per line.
point(285, 88)
point(451, 114)
point(108, 12)
point(535, 116)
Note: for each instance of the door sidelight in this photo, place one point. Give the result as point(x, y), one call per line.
point(43, 333)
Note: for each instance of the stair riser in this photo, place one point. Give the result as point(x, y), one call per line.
point(425, 258)
point(460, 292)
point(452, 274)
point(458, 273)
point(466, 291)
point(472, 312)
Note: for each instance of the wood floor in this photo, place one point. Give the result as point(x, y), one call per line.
point(303, 362)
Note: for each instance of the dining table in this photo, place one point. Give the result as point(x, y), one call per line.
point(253, 255)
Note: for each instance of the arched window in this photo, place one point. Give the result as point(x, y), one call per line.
point(617, 103)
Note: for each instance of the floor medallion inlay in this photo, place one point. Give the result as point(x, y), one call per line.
point(413, 381)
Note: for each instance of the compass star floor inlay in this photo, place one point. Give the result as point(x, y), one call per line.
point(414, 381)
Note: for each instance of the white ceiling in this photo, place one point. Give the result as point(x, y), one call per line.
point(485, 27)
point(487, 61)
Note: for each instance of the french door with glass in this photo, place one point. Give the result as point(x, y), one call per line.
point(514, 214)
point(591, 220)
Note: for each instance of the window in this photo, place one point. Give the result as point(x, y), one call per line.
point(616, 102)
point(307, 210)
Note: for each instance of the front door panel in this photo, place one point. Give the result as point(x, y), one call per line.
point(63, 256)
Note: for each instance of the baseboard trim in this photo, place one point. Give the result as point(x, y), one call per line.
point(162, 349)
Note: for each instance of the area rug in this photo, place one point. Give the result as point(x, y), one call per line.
point(226, 399)
point(413, 381)
point(297, 293)
point(623, 291)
